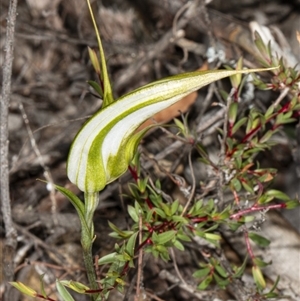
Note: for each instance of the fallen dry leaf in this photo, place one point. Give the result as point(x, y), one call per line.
point(175, 110)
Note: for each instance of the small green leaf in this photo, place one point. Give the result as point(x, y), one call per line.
point(164, 237)
point(236, 79)
point(278, 194)
point(258, 277)
point(109, 258)
point(201, 273)
point(292, 204)
point(232, 113)
point(174, 207)
point(179, 124)
point(43, 292)
point(96, 87)
point(269, 111)
point(247, 187)
point(179, 219)
point(266, 137)
point(75, 286)
point(130, 246)
point(236, 184)
point(259, 240)
point(63, 292)
point(275, 284)
point(221, 271)
point(238, 124)
point(94, 60)
point(260, 263)
point(121, 233)
point(160, 212)
point(183, 237)
point(240, 270)
point(24, 289)
point(166, 209)
point(212, 236)
point(178, 245)
point(221, 282)
point(132, 212)
point(205, 283)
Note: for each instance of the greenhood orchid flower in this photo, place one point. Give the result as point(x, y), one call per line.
point(106, 144)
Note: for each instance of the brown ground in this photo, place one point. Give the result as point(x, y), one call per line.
point(50, 100)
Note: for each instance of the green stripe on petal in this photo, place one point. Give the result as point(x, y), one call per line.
point(104, 147)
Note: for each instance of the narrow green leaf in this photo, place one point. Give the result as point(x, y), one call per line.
point(236, 184)
point(130, 245)
point(238, 124)
point(201, 273)
point(183, 237)
point(132, 212)
point(259, 240)
point(96, 87)
point(109, 258)
point(212, 236)
point(205, 283)
point(63, 292)
point(178, 245)
point(121, 233)
point(292, 204)
point(221, 271)
point(165, 237)
point(75, 286)
point(166, 208)
point(247, 187)
point(275, 284)
point(260, 263)
point(79, 206)
point(240, 270)
point(94, 60)
point(174, 207)
point(236, 79)
point(258, 277)
point(43, 292)
point(232, 113)
point(24, 289)
point(160, 212)
point(221, 282)
point(278, 194)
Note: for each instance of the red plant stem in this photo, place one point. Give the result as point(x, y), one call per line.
point(249, 249)
point(44, 298)
point(255, 208)
point(251, 133)
point(133, 173)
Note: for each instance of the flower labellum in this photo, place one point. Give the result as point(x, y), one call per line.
point(106, 144)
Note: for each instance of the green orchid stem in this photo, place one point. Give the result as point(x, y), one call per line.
point(91, 201)
point(89, 265)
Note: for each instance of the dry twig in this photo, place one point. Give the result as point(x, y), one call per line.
point(11, 233)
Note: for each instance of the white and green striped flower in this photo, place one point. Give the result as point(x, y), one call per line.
point(104, 147)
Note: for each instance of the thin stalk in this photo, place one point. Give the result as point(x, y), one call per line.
point(91, 201)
